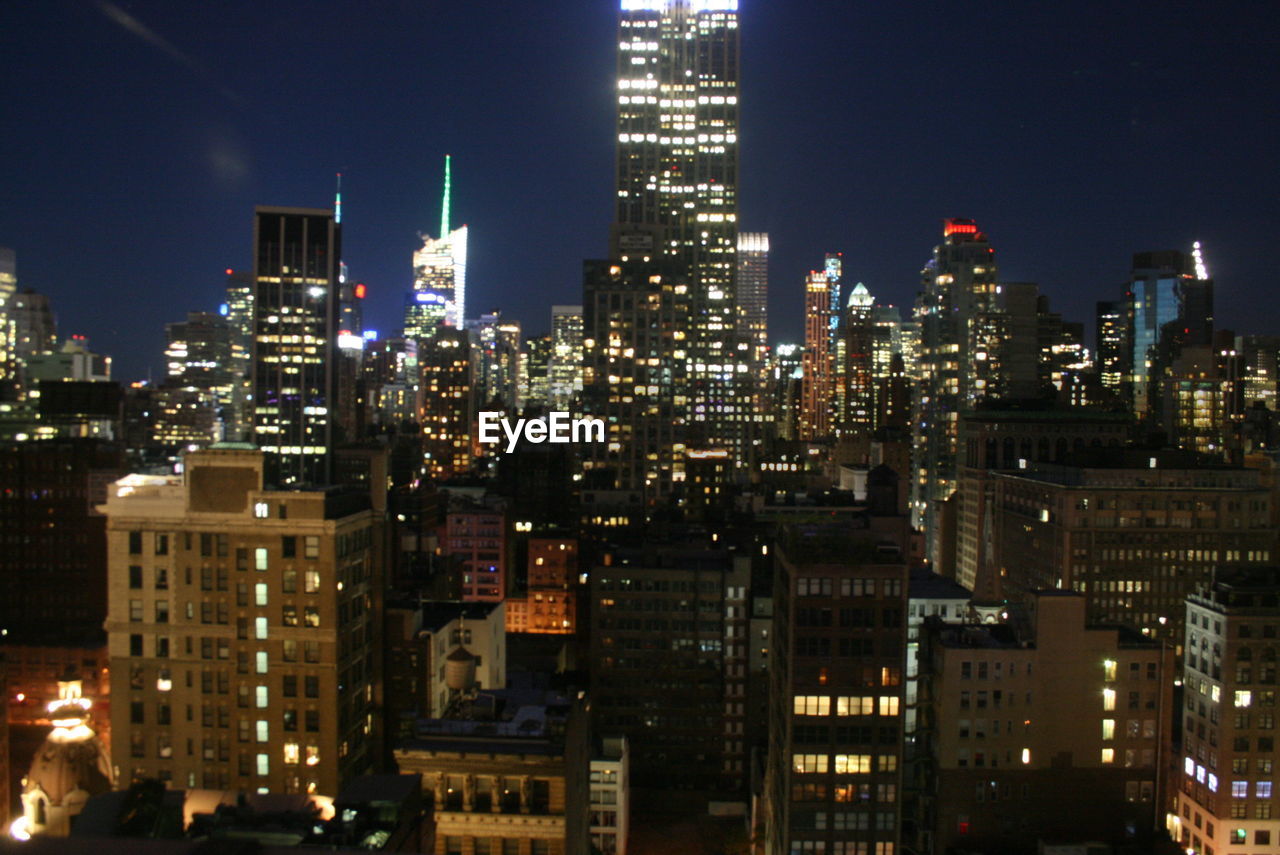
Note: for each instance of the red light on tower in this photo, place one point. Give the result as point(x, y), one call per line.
point(959, 227)
point(360, 290)
point(230, 271)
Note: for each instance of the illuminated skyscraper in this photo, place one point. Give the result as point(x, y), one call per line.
point(295, 306)
point(448, 403)
point(858, 339)
point(8, 286)
point(753, 301)
point(1114, 353)
point(439, 274)
point(564, 368)
point(677, 190)
point(960, 337)
point(815, 407)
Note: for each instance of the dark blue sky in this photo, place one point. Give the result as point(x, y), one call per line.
point(136, 138)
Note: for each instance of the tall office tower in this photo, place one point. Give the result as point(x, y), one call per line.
point(634, 358)
point(886, 339)
point(1226, 798)
point(786, 389)
point(240, 629)
point(834, 775)
point(911, 346)
point(833, 266)
point(33, 326)
point(1171, 308)
point(958, 365)
point(447, 402)
point(1114, 353)
point(815, 414)
point(392, 381)
point(199, 357)
point(497, 343)
point(1023, 335)
point(677, 191)
point(351, 297)
point(1049, 726)
point(858, 338)
point(535, 373)
point(564, 368)
point(8, 287)
point(440, 271)
point(295, 372)
point(238, 310)
point(753, 303)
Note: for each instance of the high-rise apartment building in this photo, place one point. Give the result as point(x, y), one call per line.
point(242, 627)
point(200, 356)
point(1226, 798)
point(677, 191)
point(564, 365)
point(959, 363)
point(818, 359)
point(296, 253)
point(1114, 352)
point(439, 293)
point(496, 341)
point(1171, 307)
point(834, 776)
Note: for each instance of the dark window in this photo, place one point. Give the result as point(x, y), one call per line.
point(135, 577)
point(135, 543)
point(288, 546)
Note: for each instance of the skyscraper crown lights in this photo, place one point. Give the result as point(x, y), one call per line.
point(695, 5)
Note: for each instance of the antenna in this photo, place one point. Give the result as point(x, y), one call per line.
point(337, 201)
point(444, 209)
point(1202, 272)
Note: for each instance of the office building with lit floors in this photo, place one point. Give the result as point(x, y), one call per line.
point(296, 254)
point(669, 664)
point(1042, 728)
point(833, 782)
point(1226, 799)
point(242, 629)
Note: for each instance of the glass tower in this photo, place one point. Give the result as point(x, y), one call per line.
point(439, 274)
point(295, 327)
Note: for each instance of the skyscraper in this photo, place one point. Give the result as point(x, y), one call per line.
point(8, 285)
point(958, 363)
point(1114, 352)
point(564, 365)
point(753, 301)
point(858, 340)
point(677, 190)
point(815, 411)
point(439, 273)
point(295, 310)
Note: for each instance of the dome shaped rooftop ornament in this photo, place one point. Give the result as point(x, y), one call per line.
point(70, 766)
point(860, 297)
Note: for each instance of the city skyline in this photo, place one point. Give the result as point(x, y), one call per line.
point(216, 127)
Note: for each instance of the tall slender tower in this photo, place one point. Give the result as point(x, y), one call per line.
point(815, 408)
point(960, 345)
point(295, 311)
point(439, 273)
point(677, 191)
point(753, 303)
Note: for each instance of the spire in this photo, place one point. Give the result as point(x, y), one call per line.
point(444, 208)
point(337, 201)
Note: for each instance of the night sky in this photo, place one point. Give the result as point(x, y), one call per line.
point(135, 138)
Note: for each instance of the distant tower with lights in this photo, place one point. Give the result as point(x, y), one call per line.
point(296, 262)
point(439, 293)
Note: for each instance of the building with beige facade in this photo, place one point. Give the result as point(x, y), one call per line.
point(1045, 727)
point(241, 629)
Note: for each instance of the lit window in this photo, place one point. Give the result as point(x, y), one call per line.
point(291, 753)
point(1243, 699)
point(1108, 729)
point(1108, 755)
point(1109, 670)
point(263, 731)
point(264, 765)
point(260, 594)
point(811, 705)
point(260, 510)
point(313, 755)
point(1109, 700)
point(260, 628)
point(1026, 756)
point(260, 665)
point(888, 706)
point(260, 697)
point(260, 558)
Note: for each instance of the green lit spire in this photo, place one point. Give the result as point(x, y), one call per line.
point(444, 209)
